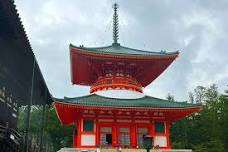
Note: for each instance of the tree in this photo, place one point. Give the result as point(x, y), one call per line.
point(224, 118)
point(199, 92)
point(56, 136)
point(191, 97)
point(205, 131)
point(170, 98)
point(61, 136)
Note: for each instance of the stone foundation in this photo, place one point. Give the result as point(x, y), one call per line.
point(123, 150)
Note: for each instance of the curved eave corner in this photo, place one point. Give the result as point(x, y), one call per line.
point(57, 113)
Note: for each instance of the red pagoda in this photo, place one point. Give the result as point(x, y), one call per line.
point(117, 113)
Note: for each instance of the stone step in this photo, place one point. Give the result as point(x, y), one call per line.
point(123, 150)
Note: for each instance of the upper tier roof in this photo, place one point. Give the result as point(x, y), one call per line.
point(144, 102)
point(116, 48)
point(88, 63)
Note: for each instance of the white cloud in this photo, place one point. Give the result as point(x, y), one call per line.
point(198, 29)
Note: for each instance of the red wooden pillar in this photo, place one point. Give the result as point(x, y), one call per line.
point(79, 132)
point(114, 135)
point(114, 131)
point(133, 135)
point(167, 134)
point(97, 132)
point(152, 130)
point(75, 135)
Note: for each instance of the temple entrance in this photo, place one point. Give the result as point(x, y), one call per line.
point(124, 136)
point(140, 133)
point(109, 139)
point(106, 135)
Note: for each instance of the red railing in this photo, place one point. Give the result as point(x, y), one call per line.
point(116, 82)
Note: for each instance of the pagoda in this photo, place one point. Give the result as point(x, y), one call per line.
point(116, 112)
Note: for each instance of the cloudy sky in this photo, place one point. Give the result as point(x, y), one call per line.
point(199, 29)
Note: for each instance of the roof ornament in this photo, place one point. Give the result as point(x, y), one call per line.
point(115, 25)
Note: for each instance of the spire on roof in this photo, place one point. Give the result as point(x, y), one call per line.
point(115, 25)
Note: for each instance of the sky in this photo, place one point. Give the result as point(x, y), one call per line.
point(198, 29)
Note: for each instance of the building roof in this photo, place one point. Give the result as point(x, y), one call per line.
point(116, 48)
point(146, 101)
point(17, 60)
point(87, 63)
point(68, 109)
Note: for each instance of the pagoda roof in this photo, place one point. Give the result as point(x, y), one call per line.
point(68, 109)
point(118, 49)
point(87, 63)
point(144, 102)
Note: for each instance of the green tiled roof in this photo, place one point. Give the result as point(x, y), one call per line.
point(116, 48)
point(146, 101)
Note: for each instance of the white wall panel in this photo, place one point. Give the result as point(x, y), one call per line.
point(160, 140)
point(121, 94)
point(88, 140)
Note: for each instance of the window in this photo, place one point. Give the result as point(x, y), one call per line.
point(159, 127)
point(124, 136)
point(140, 133)
point(105, 135)
point(124, 130)
point(106, 139)
point(106, 129)
point(87, 125)
point(142, 130)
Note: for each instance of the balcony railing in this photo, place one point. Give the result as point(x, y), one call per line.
point(116, 82)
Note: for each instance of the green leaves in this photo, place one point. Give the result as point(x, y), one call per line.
point(55, 136)
point(61, 136)
point(205, 131)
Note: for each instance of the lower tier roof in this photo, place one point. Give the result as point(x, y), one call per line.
point(69, 109)
point(144, 102)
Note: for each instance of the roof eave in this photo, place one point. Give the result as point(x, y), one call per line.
point(83, 51)
point(128, 107)
point(147, 53)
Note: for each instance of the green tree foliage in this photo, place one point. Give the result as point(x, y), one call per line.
point(55, 136)
point(61, 136)
point(206, 131)
point(224, 119)
point(170, 98)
